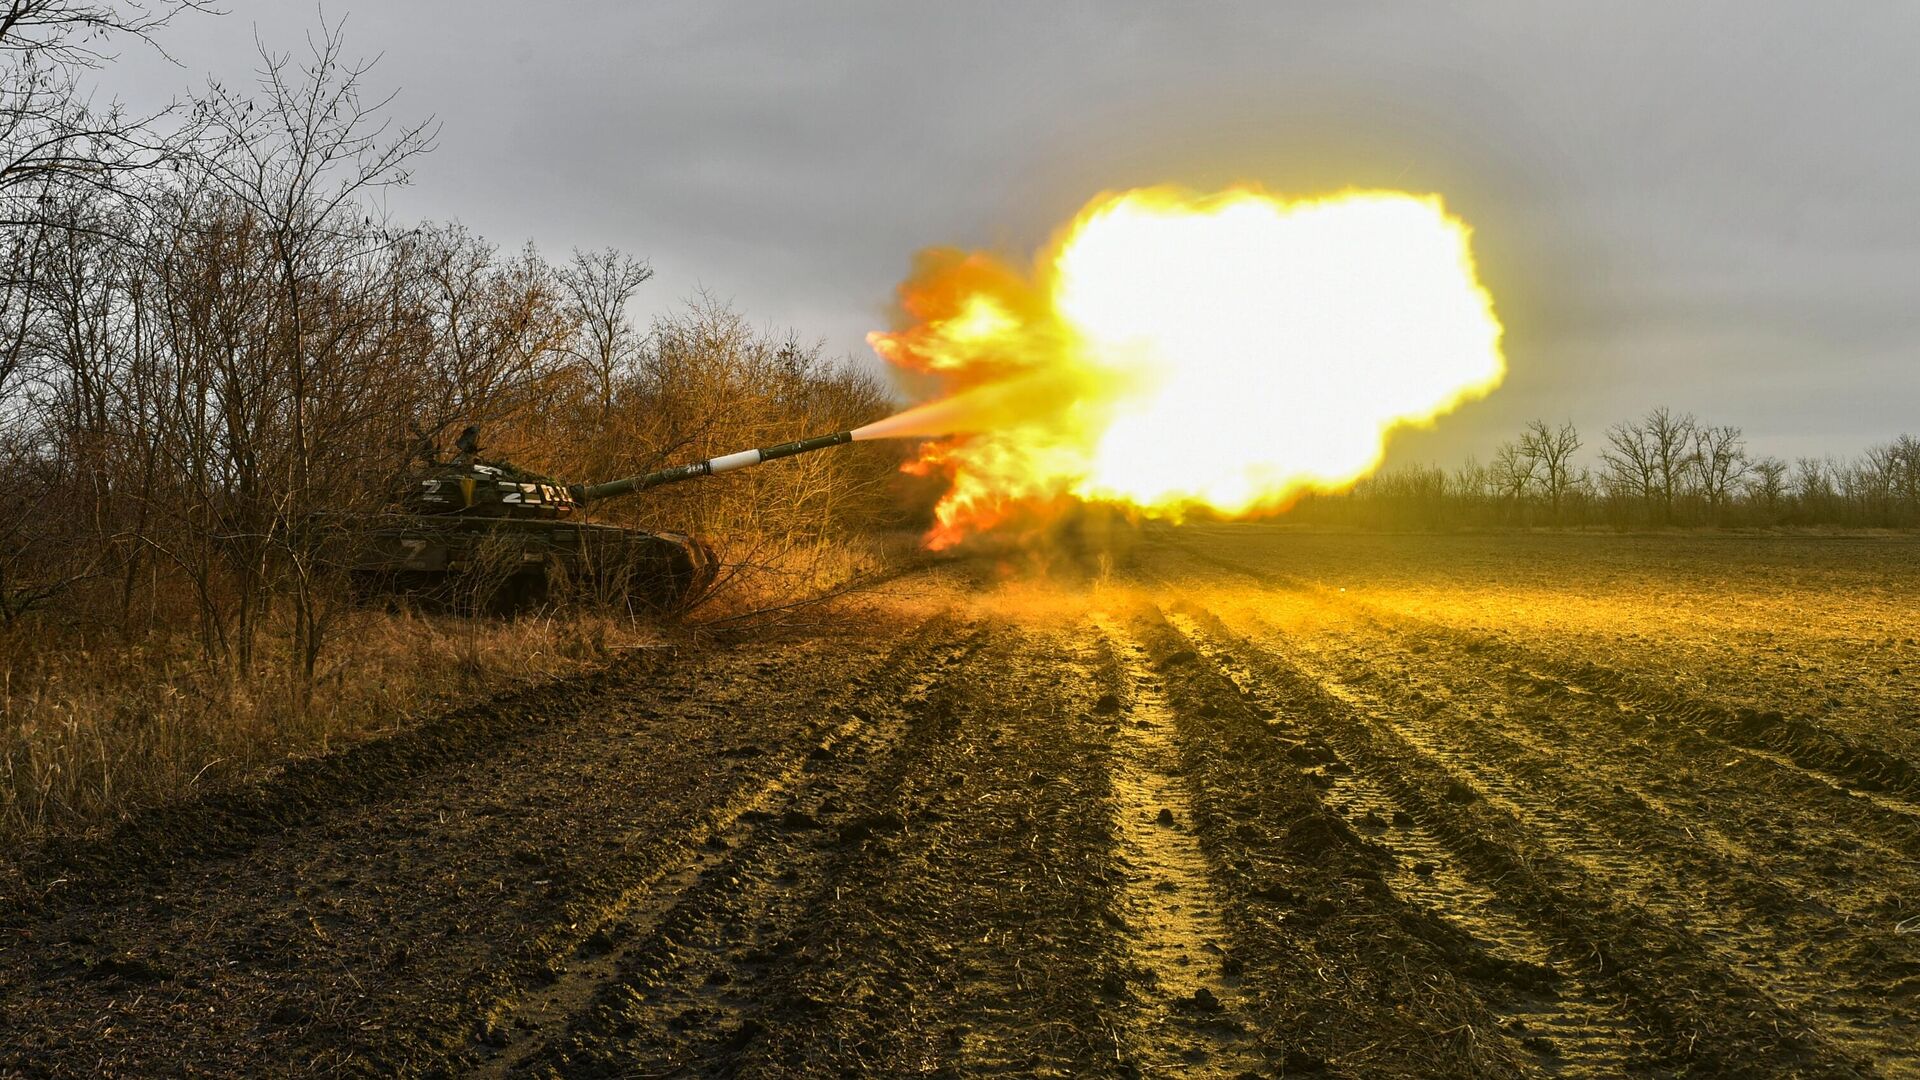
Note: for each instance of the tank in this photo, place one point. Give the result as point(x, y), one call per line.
point(487, 536)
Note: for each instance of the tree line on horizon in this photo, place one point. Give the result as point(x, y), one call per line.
point(1663, 469)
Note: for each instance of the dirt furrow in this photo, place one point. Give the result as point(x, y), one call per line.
point(1563, 878)
point(1340, 972)
point(1097, 819)
point(1862, 783)
point(1575, 1028)
point(1187, 1012)
point(1759, 912)
point(1767, 800)
point(1838, 758)
point(964, 923)
point(1736, 740)
point(1767, 806)
point(1822, 892)
point(390, 936)
point(677, 974)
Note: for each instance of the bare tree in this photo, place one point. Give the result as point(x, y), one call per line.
point(1874, 482)
point(494, 335)
point(1672, 440)
point(1719, 456)
point(66, 169)
point(1865, 485)
point(52, 138)
point(1879, 487)
point(599, 285)
point(1814, 487)
point(295, 166)
point(1473, 485)
point(1629, 463)
point(1552, 450)
point(1515, 472)
point(1904, 462)
point(57, 149)
point(1766, 485)
point(1652, 457)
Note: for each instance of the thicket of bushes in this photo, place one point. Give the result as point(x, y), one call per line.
point(1664, 469)
point(209, 334)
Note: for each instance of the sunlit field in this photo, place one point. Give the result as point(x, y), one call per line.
point(1213, 799)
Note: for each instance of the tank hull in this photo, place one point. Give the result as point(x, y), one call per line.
point(502, 566)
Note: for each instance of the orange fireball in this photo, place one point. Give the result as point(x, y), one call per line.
point(1174, 350)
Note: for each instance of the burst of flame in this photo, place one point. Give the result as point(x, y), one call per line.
point(1175, 350)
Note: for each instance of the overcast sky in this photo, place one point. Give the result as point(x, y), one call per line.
point(1710, 206)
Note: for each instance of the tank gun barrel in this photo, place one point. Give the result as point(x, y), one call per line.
point(586, 493)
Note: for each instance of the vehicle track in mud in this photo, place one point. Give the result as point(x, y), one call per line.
point(1765, 879)
point(1207, 815)
point(1555, 860)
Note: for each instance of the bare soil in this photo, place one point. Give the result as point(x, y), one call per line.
point(1239, 802)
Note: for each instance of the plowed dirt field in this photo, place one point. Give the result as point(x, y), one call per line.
point(1235, 802)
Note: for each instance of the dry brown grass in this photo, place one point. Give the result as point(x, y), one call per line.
point(93, 731)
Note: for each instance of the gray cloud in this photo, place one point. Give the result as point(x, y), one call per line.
point(1714, 206)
